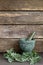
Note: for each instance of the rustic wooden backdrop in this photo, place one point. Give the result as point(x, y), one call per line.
point(18, 18)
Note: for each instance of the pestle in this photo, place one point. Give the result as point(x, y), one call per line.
point(31, 36)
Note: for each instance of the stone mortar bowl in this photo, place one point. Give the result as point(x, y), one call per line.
point(27, 45)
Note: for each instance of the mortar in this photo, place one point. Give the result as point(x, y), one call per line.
point(27, 44)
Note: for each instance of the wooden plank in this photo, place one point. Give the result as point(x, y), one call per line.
point(21, 4)
point(6, 44)
point(21, 17)
point(39, 45)
point(20, 31)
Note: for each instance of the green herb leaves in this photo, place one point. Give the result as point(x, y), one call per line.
point(9, 55)
point(32, 57)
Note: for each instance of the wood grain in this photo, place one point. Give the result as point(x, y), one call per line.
point(21, 17)
point(21, 4)
point(6, 44)
point(39, 45)
point(20, 31)
point(29, 22)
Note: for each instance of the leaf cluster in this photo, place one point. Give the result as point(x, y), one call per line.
point(31, 57)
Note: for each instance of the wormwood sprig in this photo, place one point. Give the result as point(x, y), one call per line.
point(32, 57)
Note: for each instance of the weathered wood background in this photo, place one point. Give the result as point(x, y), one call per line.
point(18, 18)
point(21, 4)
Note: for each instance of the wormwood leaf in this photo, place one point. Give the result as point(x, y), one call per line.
point(34, 60)
point(32, 57)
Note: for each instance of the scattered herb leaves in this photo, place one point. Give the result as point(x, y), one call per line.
point(32, 57)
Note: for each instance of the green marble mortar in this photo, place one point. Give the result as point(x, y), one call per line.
point(27, 44)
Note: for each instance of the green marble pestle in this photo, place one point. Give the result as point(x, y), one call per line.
point(27, 44)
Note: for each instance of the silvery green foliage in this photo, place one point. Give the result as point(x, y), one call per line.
point(31, 57)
